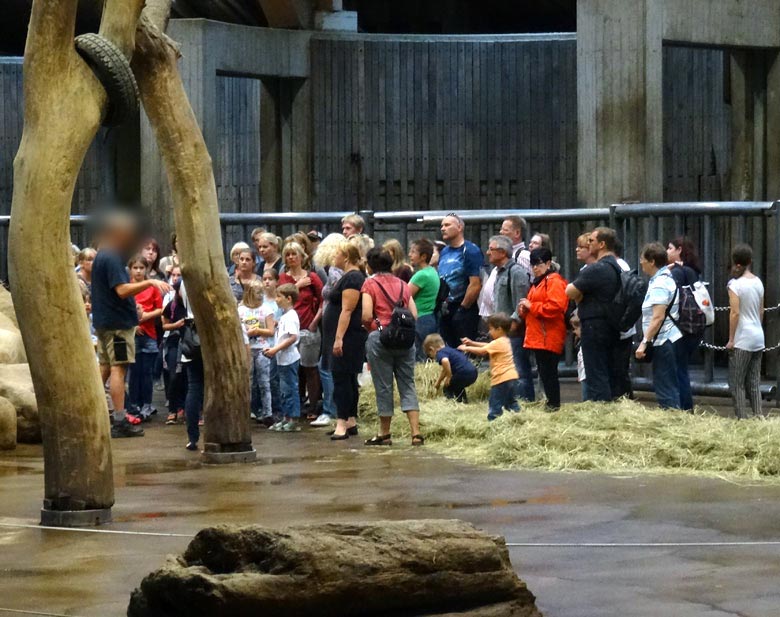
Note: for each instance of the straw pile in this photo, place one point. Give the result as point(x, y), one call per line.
point(624, 437)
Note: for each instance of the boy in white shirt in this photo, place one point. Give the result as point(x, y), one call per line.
point(287, 358)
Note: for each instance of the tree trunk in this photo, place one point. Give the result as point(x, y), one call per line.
point(409, 568)
point(63, 104)
point(196, 213)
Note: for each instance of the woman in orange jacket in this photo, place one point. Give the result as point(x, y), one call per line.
point(544, 311)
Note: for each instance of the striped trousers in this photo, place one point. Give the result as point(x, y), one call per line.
point(744, 381)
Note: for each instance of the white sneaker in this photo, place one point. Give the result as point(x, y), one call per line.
point(277, 426)
point(322, 420)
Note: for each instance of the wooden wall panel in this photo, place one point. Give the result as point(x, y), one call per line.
point(443, 123)
point(697, 121)
point(448, 122)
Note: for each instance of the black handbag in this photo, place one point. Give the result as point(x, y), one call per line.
point(648, 357)
point(189, 344)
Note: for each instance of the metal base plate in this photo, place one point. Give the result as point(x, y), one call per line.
point(225, 458)
point(75, 518)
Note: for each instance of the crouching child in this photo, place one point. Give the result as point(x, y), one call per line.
point(457, 373)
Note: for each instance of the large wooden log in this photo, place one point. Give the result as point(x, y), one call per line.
point(196, 213)
point(410, 568)
point(63, 106)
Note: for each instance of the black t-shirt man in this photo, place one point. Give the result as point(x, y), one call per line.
point(598, 283)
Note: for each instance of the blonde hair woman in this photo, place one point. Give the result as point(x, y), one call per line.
point(269, 247)
point(308, 306)
point(401, 268)
point(344, 339)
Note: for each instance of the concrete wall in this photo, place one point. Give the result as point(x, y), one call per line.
point(620, 92)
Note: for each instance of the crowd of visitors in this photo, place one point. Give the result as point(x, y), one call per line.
point(316, 312)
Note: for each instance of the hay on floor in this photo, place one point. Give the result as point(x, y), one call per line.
point(624, 437)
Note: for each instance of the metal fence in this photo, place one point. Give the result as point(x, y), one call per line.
point(714, 227)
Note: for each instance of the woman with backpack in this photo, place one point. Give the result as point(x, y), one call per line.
point(685, 270)
point(389, 314)
point(660, 309)
point(746, 333)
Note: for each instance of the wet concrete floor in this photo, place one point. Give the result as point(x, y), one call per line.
point(305, 478)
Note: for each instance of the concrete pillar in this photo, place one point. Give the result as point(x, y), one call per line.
point(619, 101)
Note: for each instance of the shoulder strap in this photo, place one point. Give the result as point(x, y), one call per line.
point(669, 306)
point(387, 295)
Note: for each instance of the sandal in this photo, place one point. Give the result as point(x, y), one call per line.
point(418, 440)
point(380, 440)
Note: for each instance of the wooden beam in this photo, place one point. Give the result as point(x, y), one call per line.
point(287, 13)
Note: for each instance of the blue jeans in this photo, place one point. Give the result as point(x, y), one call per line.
point(503, 396)
point(326, 379)
point(686, 347)
point(193, 403)
point(260, 374)
point(599, 340)
point(427, 324)
point(288, 387)
point(522, 358)
point(142, 372)
point(667, 392)
point(276, 393)
point(177, 376)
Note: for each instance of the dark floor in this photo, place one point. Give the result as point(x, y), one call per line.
point(304, 478)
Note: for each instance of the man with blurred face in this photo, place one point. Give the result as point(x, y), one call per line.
point(460, 262)
point(114, 313)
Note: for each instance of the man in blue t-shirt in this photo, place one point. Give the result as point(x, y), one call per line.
point(114, 315)
point(459, 266)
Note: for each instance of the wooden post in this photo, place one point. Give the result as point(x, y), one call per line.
point(194, 194)
point(63, 106)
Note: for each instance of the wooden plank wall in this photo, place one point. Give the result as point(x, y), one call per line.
point(440, 124)
point(237, 159)
point(417, 125)
point(697, 124)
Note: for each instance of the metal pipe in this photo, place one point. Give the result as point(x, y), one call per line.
point(721, 208)
point(768, 391)
point(76, 220)
point(281, 218)
point(496, 216)
point(709, 271)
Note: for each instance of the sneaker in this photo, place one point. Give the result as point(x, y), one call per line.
point(253, 416)
point(322, 420)
point(125, 429)
point(191, 446)
point(267, 422)
point(132, 419)
point(180, 416)
point(159, 386)
point(276, 426)
point(290, 427)
point(171, 419)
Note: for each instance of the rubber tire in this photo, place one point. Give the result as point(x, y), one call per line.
point(113, 70)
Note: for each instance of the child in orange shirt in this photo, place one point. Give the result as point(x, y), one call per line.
point(504, 379)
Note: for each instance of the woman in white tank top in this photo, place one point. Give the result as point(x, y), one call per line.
point(746, 333)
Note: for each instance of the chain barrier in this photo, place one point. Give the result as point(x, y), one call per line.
point(722, 309)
